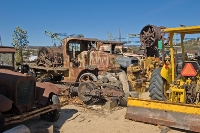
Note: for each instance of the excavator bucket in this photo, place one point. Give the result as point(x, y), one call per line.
point(177, 115)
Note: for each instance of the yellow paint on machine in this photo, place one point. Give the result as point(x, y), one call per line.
point(185, 30)
point(167, 106)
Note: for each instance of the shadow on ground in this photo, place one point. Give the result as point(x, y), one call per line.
point(37, 123)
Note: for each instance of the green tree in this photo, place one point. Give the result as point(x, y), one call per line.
point(19, 42)
point(27, 53)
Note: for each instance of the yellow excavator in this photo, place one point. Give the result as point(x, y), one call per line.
point(174, 90)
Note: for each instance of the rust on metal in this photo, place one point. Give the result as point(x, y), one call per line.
point(163, 117)
point(112, 92)
point(29, 115)
point(76, 55)
point(50, 57)
point(149, 37)
point(43, 90)
point(10, 85)
point(90, 92)
point(80, 60)
point(5, 104)
point(18, 94)
point(6, 49)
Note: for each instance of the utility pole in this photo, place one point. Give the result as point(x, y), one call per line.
point(0, 41)
point(119, 35)
point(110, 37)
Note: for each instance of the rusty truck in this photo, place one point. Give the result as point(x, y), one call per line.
point(21, 98)
point(85, 66)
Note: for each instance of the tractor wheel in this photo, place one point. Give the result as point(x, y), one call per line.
point(1, 123)
point(156, 87)
point(54, 115)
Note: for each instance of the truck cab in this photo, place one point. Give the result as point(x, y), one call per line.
point(7, 55)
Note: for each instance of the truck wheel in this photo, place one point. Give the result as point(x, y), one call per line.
point(156, 86)
point(54, 115)
point(87, 77)
point(1, 123)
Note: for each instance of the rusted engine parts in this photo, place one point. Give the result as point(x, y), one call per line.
point(106, 86)
point(50, 57)
point(149, 37)
point(139, 76)
point(136, 78)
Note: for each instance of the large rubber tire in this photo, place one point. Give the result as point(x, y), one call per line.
point(1, 123)
point(55, 114)
point(156, 86)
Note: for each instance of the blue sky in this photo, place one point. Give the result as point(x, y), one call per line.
point(92, 18)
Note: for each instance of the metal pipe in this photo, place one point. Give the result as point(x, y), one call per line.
point(172, 55)
point(163, 50)
point(182, 46)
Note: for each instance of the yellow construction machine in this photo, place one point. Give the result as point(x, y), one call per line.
point(174, 90)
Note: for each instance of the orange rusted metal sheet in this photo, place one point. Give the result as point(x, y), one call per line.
point(77, 55)
point(7, 49)
point(43, 91)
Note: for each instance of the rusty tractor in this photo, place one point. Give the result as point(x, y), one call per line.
point(152, 57)
point(86, 66)
point(21, 98)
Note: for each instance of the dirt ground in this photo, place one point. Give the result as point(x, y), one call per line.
point(94, 119)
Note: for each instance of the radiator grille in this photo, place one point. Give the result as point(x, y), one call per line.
point(25, 92)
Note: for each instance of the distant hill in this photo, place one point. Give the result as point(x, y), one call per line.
point(35, 47)
point(191, 46)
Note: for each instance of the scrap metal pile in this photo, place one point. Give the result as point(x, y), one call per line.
point(87, 69)
point(91, 70)
point(107, 74)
